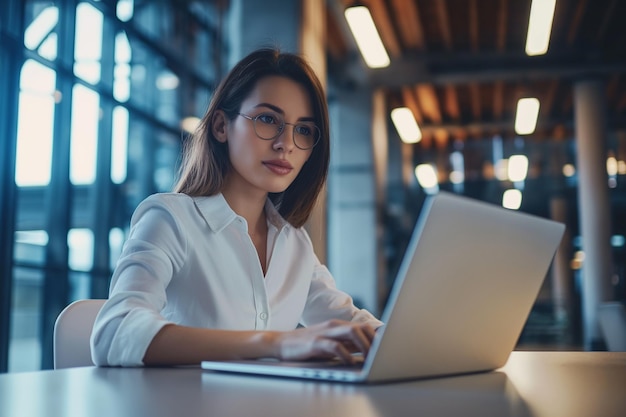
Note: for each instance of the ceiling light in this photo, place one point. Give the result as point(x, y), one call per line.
point(526, 115)
point(427, 177)
point(569, 170)
point(457, 177)
point(611, 166)
point(405, 124)
point(512, 199)
point(517, 168)
point(539, 26)
point(367, 38)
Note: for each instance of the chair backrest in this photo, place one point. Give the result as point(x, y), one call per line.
point(72, 331)
point(612, 318)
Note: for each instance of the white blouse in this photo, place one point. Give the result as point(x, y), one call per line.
point(190, 261)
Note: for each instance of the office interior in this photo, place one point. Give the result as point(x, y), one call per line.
point(99, 96)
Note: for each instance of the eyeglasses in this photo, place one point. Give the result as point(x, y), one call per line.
point(269, 125)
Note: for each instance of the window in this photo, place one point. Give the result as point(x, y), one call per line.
point(98, 129)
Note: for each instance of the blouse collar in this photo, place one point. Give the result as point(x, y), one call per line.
point(218, 214)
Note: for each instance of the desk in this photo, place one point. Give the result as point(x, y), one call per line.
point(540, 384)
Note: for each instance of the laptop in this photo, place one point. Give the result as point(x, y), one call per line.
point(468, 280)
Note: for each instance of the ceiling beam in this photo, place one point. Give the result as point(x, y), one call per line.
point(507, 125)
point(444, 23)
point(608, 15)
point(484, 68)
point(474, 26)
point(498, 99)
point(406, 13)
point(576, 21)
point(502, 26)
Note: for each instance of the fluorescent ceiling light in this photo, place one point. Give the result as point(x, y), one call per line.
point(367, 38)
point(539, 26)
point(611, 166)
point(517, 168)
point(526, 116)
point(512, 199)
point(406, 125)
point(457, 177)
point(569, 170)
point(427, 177)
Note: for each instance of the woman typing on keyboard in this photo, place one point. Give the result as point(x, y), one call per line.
point(222, 268)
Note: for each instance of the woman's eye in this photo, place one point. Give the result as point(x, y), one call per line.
point(304, 130)
point(268, 119)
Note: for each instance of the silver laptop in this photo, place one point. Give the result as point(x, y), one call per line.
point(464, 290)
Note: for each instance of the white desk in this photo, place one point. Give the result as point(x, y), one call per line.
point(539, 384)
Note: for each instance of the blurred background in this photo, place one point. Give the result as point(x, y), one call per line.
point(518, 103)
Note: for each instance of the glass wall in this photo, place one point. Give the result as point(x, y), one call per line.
point(104, 88)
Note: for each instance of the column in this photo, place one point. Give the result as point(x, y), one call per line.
point(560, 272)
point(594, 206)
point(269, 23)
point(352, 242)
point(380, 154)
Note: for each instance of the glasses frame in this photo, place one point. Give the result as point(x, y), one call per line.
point(281, 128)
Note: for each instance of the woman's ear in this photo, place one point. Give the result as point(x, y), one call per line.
point(219, 126)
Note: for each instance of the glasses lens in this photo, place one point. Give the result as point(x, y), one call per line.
point(305, 135)
point(268, 125)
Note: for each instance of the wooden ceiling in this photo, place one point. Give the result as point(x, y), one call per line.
point(460, 65)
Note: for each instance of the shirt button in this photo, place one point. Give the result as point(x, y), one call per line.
point(263, 316)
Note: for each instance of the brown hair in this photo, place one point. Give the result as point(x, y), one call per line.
point(206, 163)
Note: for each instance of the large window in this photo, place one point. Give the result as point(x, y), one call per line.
point(103, 92)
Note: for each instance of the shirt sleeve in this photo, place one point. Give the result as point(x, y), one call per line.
point(130, 318)
point(325, 302)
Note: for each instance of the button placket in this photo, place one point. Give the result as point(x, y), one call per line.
point(259, 290)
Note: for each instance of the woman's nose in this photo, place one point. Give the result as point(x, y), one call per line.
point(284, 141)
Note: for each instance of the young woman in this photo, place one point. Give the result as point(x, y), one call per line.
point(221, 268)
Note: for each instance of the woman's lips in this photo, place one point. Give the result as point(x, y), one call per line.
point(278, 166)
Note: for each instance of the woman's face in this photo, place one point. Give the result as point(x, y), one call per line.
point(269, 166)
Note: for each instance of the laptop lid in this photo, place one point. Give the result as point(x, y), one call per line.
point(469, 278)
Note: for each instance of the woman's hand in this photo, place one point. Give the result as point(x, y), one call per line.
point(334, 338)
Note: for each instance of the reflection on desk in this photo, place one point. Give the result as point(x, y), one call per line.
point(531, 384)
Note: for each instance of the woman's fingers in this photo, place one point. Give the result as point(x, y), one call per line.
point(359, 335)
point(333, 338)
point(335, 348)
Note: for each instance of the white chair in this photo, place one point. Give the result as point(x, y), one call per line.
point(72, 331)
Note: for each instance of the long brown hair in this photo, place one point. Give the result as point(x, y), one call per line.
point(206, 163)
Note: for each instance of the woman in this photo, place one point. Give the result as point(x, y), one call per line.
point(221, 268)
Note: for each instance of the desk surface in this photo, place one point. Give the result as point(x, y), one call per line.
point(539, 384)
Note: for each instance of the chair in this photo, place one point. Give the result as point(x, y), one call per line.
point(612, 318)
point(72, 331)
